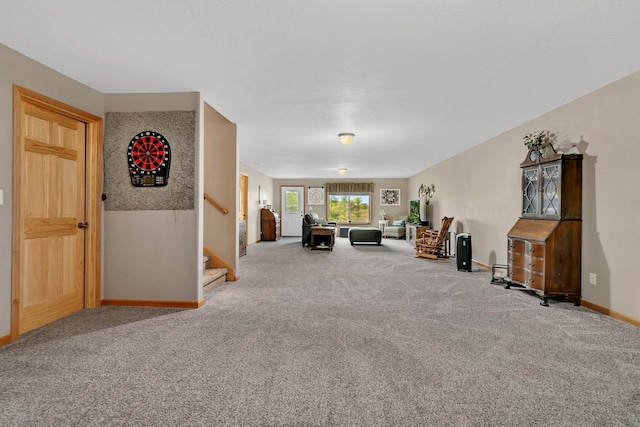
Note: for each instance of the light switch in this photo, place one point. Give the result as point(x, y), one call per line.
point(1, 197)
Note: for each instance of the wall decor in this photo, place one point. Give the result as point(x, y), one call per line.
point(389, 197)
point(262, 195)
point(315, 196)
point(426, 191)
point(179, 129)
point(149, 158)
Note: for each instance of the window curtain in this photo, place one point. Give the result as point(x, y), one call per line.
point(349, 187)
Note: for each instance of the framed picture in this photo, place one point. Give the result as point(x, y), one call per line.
point(389, 197)
point(315, 196)
point(262, 195)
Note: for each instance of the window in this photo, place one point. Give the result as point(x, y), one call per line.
point(350, 207)
point(292, 203)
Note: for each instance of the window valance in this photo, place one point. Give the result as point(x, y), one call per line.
point(349, 187)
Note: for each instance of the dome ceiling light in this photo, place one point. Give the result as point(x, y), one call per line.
point(346, 138)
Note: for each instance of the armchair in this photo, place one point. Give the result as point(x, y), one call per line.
point(432, 243)
point(397, 228)
point(310, 220)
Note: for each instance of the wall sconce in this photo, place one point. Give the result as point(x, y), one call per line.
point(342, 171)
point(346, 138)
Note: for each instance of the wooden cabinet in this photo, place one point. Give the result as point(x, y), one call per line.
point(544, 245)
point(544, 255)
point(322, 238)
point(552, 188)
point(269, 225)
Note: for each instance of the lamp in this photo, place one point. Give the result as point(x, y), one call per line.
point(346, 138)
point(342, 171)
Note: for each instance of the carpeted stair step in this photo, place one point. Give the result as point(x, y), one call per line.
point(206, 262)
point(213, 277)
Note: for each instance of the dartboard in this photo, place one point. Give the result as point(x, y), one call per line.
point(149, 159)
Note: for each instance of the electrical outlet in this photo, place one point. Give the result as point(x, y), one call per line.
point(592, 278)
point(1, 197)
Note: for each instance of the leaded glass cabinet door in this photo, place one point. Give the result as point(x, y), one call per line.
point(530, 196)
point(550, 191)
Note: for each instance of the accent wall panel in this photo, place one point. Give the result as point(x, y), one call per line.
point(179, 129)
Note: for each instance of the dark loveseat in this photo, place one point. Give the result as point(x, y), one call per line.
point(310, 220)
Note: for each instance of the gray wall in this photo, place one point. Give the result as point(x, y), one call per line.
point(18, 69)
point(481, 188)
point(153, 254)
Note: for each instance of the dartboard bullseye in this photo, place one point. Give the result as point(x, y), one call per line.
point(149, 159)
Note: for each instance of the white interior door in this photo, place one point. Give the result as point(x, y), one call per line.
point(292, 210)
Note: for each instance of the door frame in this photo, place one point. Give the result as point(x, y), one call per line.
point(244, 198)
point(93, 197)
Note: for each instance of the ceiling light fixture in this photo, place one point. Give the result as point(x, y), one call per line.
point(342, 171)
point(345, 138)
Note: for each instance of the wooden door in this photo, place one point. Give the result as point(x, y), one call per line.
point(292, 210)
point(52, 204)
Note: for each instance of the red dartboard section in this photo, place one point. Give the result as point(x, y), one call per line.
point(149, 157)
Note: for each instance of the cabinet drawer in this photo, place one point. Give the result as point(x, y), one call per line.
point(536, 281)
point(517, 275)
point(535, 249)
point(516, 246)
point(517, 260)
point(535, 265)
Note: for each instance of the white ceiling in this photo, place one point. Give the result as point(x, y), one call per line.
point(417, 81)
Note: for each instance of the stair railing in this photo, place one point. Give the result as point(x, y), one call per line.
point(217, 205)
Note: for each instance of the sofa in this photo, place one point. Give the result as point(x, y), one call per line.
point(365, 235)
point(397, 228)
point(311, 220)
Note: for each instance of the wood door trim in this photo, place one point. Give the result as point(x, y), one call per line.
point(244, 200)
point(93, 196)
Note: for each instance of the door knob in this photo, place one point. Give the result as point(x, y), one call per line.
point(83, 225)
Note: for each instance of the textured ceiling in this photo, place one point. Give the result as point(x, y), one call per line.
point(417, 81)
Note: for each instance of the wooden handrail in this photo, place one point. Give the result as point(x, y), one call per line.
point(218, 206)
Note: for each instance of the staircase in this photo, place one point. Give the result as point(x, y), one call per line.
point(212, 277)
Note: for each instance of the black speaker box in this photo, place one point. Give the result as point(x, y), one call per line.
point(463, 252)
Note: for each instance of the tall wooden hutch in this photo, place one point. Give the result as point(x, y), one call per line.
point(544, 245)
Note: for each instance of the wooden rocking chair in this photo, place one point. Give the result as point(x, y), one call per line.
point(431, 244)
